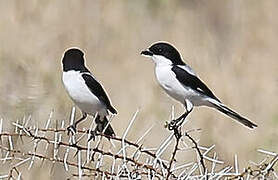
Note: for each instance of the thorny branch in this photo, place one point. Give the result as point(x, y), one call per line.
point(260, 171)
point(82, 148)
point(173, 156)
point(39, 156)
point(132, 160)
point(198, 150)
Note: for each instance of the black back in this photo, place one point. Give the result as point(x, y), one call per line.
point(168, 51)
point(98, 91)
point(189, 80)
point(74, 60)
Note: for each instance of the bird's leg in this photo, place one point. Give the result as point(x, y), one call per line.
point(72, 128)
point(102, 126)
point(93, 133)
point(175, 124)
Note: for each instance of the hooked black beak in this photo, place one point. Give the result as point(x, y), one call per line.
point(147, 52)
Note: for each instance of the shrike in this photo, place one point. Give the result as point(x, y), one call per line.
point(85, 91)
point(182, 83)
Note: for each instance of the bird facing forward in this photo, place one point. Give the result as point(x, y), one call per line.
point(85, 91)
point(181, 83)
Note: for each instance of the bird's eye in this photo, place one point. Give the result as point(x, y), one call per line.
point(160, 50)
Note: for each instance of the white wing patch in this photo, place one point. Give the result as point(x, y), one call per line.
point(188, 69)
point(199, 89)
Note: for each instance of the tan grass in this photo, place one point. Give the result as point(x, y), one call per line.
point(232, 45)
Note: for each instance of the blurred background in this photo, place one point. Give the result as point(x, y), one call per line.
point(232, 45)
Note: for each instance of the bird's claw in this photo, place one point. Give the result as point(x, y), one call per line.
point(174, 126)
point(71, 129)
point(92, 135)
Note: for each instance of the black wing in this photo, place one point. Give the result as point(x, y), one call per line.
point(98, 91)
point(187, 79)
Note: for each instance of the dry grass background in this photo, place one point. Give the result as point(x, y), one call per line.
point(232, 45)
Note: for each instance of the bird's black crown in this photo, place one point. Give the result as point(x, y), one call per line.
point(74, 60)
point(168, 51)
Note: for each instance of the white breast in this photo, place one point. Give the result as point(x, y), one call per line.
point(81, 94)
point(168, 81)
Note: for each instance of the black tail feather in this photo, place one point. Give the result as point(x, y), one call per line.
point(222, 108)
point(101, 124)
point(112, 109)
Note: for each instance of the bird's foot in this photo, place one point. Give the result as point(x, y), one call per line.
point(92, 135)
point(175, 125)
point(71, 129)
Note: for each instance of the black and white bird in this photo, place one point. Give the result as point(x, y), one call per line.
point(181, 82)
point(85, 91)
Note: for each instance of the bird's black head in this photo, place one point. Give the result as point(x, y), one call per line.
point(74, 60)
point(166, 50)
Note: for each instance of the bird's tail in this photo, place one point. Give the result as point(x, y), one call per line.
point(224, 109)
point(101, 125)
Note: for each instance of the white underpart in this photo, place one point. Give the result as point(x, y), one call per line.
point(81, 94)
point(168, 81)
point(161, 60)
